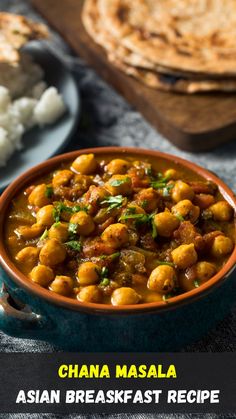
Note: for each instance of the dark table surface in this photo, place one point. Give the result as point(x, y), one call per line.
point(108, 120)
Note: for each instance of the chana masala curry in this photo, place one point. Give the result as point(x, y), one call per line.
point(120, 231)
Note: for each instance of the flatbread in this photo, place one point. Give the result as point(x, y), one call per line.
point(174, 84)
point(96, 29)
point(197, 36)
point(16, 31)
point(123, 58)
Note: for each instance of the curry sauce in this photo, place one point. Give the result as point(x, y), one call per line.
point(120, 231)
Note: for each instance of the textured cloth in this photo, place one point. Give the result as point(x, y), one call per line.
point(108, 120)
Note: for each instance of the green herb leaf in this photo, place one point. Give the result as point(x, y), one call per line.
point(61, 207)
point(196, 283)
point(118, 182)
point(115, 255)
point(167, 189)
point(154, 230)
point(148, 171)
point(113, 201)
point(104, 272)
point(44, 235)
point(163, 262)
point(57, 224)
point(49, 191)
point(180, 217)
point(105, 282)
point(141, 217)
point(72, 228)
point(75, 245)
point(144, 203)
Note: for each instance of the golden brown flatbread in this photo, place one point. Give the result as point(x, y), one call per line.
point(197, 36)
point(96, 29)
point(135, 65)
point(170, 83)
point(16, 31)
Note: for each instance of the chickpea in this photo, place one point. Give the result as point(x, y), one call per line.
point(162, 279)
point(45, 217)
point(38, 196)
point(199, 273)
point(222, 245)
point(62, 285)
point(117, 167)
point(184, 256)
point(119, 185)
point(85, 223)
point(90, 294)
point(148, 199)
point(42, 275)
point(59, 231)
point(166, 223)
point(125, 296)
point(52, 253)
point(116, 234)
point(82, 181)
point(28, 256)
point(30, 232)
point(221, 211)
point(85, 164)
point(88, 273)
point(204, 271)
point(181, 191)
point(171, 174)
point(61, 178)
point(186, 210)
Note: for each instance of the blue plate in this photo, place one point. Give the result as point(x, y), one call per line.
point(43, 143)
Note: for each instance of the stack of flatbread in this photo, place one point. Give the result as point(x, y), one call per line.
point(16, 31)
point(185, 46)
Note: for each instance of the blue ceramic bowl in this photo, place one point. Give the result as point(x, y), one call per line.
point(29, 311)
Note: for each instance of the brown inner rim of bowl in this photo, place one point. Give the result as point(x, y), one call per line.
point(45, 167)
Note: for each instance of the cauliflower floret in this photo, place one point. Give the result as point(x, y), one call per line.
point(23, 110)
point(49, 108)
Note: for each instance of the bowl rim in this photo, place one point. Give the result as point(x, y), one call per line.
point(21, 280)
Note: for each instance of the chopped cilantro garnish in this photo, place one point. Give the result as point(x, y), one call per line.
point(141, 219)
point(163, 262)
point(57, 224)
point(180, 217)
point(49, 191)
point(75, 245)
point(113, 201)
point(196, 283)
point(105, 282)
point(72, 228)
point(44, 235)
point(104, 272)
point(118, 182)
point(144, 203)
point(131, 210)
point(167, 189)
point(115, 255)
point(148, 171)
point(154, 230)
point(104, 276)
point(60, 207)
